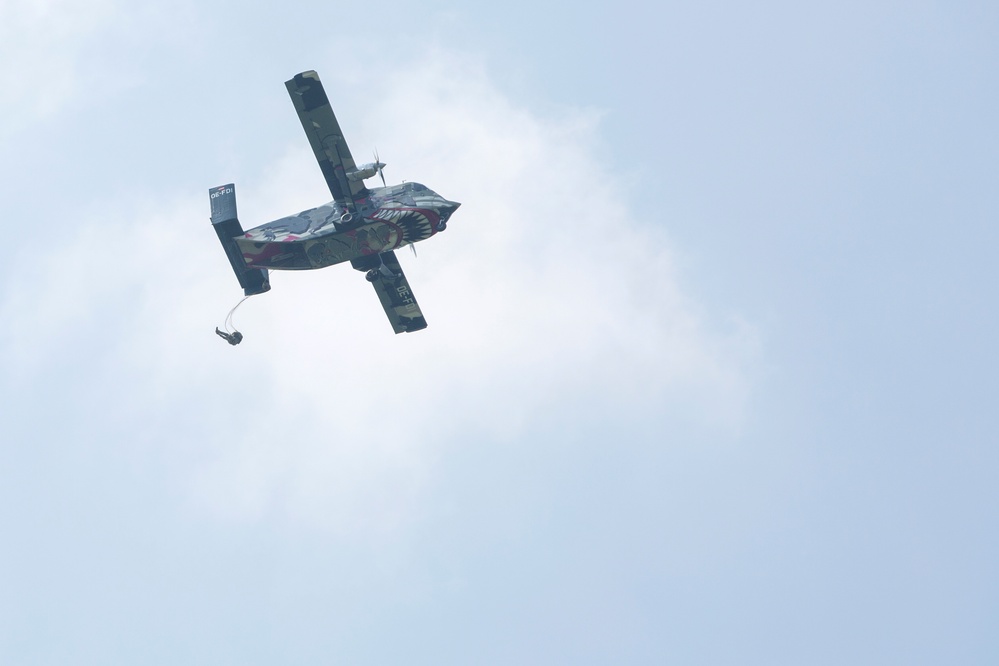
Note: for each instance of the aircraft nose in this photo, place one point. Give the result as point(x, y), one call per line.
point(445, 210)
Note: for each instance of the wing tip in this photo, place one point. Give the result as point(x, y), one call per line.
point(411, 326)
point(302, 76)
point(307, 91)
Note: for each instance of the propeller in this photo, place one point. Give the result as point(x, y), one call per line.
point(379, 165)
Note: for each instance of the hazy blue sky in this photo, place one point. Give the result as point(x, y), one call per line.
point(711, 370)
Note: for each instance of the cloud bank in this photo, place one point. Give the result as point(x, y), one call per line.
point(544, 296)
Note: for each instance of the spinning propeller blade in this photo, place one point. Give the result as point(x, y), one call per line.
point(378, 165)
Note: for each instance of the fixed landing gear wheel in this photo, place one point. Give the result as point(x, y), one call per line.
point(371, 275)
point(442, 225)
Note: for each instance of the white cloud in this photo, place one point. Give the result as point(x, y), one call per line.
point(543, 293)
point(61, 54)
point(41, 42)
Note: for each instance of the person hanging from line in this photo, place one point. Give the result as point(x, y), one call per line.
point(232, 338)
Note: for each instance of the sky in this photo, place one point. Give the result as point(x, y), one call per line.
point(710, 369)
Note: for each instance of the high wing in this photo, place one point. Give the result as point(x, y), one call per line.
point(326, 138)
point(397, 298)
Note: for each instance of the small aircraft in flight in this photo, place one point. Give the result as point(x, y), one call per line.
point(361, 225)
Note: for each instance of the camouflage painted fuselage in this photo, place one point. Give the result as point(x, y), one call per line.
point(361, 225)
point(388, 218)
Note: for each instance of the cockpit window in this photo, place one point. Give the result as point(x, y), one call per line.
point(416, 187)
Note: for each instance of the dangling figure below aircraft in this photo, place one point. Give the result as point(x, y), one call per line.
point(361, 225)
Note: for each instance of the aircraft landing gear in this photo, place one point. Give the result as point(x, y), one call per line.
point(442, 225)
point(371, 275)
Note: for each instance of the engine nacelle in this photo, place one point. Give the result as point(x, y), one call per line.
point(365, 171)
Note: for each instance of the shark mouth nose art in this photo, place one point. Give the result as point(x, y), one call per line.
point(415, 225)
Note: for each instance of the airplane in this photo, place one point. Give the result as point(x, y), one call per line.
point(361, 225)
